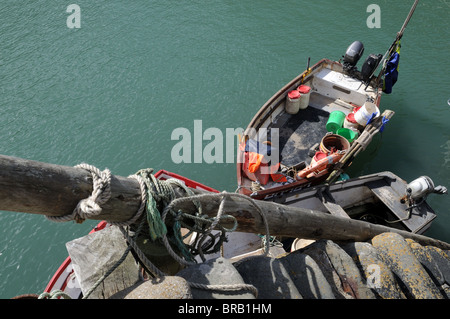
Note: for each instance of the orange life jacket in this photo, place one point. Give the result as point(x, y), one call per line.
point(254, 161)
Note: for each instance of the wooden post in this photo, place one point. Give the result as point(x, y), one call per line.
point(54, 190)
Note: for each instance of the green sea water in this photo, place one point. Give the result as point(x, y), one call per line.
point(111, 92)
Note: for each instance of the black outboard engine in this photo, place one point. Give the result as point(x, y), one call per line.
point(369, 66)
point(352, 56)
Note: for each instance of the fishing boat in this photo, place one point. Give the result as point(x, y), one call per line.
point(313, 128)
point(302, 132)
point(381, 198)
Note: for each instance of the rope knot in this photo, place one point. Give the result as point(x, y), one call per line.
point(91, 206)
point(101, 193)
point(86, 207)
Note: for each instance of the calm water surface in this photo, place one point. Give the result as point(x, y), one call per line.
point(111, 92)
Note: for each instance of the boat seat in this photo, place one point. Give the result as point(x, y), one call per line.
point(330, 204)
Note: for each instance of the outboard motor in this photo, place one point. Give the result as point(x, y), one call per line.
point(421, 187)
point(354, 53)
point(369, 66)
point(352, 56)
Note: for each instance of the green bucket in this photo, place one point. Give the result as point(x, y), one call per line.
point(335, 121)
point(349, 134)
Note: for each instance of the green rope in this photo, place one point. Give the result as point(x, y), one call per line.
point(161, 191)
point(156, 227)
point(158, 192)
point(177, 240)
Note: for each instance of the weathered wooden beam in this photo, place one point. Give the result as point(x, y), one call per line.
point(297, 222)
point(54, 190)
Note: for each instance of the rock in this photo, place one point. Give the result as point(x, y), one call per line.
point(435, 263)
point(307, 276)
point(425, 258)
point(339, 270)
point(446, 253)
point(376, 273)
point(396, 253)
point(170, 287)
point(269, 276)
point(215, 272)
point(441, 261)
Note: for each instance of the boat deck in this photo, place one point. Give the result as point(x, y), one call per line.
point(298, 133)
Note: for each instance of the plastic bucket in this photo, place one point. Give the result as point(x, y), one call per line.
point(349, 134)
point(335, 121)
point(305, 91)
point(351, 123)
point(363, 115)
point(333, 142)
point(292, 102)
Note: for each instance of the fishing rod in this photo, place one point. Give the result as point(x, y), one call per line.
point(394, 44)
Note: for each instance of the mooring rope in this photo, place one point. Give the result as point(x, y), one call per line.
point(224, 195)
point(151, 267)
point(140, 211)
point(157, 192)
